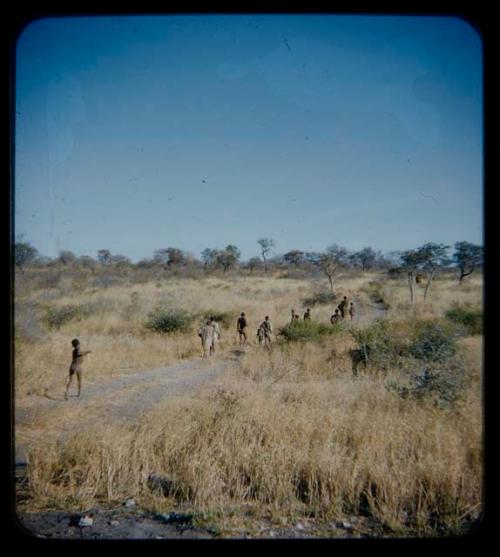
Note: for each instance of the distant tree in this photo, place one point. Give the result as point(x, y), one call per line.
point(365, 258)
point(120, 261)
point(254, 263)
point(434, 257)
point(266, 245)
point(104, 256)
point(411, 262)
point(234, 251)
point(208, 256)
point(429, 257)
point(329, 264)
point(86, 261)
point(311, 257)
point(293, 257)
point(161, 256)
point(67, 257)
point(339, 254)
point(228, 257)
point(468, 257)
point(170, 256)
point(24, 253)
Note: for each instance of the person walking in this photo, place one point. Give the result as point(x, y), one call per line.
point(241, 327)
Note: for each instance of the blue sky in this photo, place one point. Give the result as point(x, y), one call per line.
point(196, 131)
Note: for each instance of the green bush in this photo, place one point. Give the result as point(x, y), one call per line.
point(226, 318)
point(385, 344)
point(166, 321)
point(432, 342)
point(308, 330)
point(55, 318)
point(444, 383)
point(379, 344)
point(470, 319)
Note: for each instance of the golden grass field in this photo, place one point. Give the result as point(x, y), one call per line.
point(282, 434)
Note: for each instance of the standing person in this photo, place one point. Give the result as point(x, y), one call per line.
point(76, 366)
point(351, 310)
point(264, 331)
point(216, 334)
point(307, 315)
point(343, 307)
point(241, 328)
point(293, 316)
point(206, 333)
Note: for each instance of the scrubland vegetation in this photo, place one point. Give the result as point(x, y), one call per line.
point(380, 417)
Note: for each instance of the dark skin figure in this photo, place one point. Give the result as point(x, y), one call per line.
point(76, 366)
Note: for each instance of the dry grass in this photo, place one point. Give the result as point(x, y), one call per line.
point(289, 432)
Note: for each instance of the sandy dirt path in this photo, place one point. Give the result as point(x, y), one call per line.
point(122, 398)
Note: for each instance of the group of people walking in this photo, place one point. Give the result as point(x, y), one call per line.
point(210, 332)
point(342, 309)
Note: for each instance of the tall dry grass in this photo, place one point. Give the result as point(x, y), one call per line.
point(290, 434)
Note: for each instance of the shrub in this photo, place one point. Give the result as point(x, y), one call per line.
point(432, 342)
point(319, 298)
point(444, 383)
point(55, 318)
point(470, 319)
point(308, 330)
point(226, 318)
point(166, 321)
point(379, 344)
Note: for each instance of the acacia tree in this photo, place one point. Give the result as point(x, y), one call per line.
point(467, 256)
point(411, 263)
point(208, 256)
point(433, 256)
point(366, 258)
point(228, 257)
point(428, 257)
point(329, 262)
point(170, 256)
point(24, 253)
point(266, 245)
point(294, 257)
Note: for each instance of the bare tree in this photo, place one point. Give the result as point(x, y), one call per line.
point(266, 245)
point(328, 263)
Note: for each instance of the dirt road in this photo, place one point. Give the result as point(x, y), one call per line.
point(123, 398)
